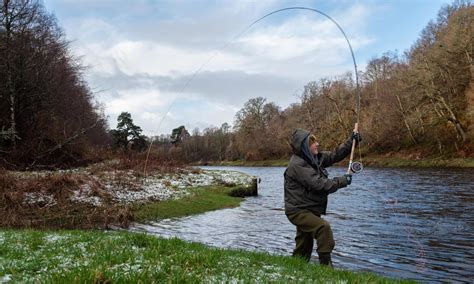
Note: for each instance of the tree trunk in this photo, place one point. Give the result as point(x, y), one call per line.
point(422, 124)
point(9, 83)
point(310, 117)
point(470, 105)
point(12, 113)
point(339, 115)
point(407, 125)
point(435, 107)
point(453, 119)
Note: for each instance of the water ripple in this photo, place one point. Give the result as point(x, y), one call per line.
point(402, 223)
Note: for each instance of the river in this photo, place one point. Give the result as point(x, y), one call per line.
point(401, 223)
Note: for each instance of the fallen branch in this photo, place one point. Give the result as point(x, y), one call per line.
point(8, 163)
point(62, 144)
point(9, 134)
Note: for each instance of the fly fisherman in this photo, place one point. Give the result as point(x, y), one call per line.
point(307, 187)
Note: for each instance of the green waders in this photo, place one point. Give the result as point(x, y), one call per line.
point(309, 227)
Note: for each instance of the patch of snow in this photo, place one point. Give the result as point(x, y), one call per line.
point(39, 197)
point(52, 238)
point(81, 247)
point(128, 187)
point(126, 268)
point(84, 195)
point(147, 192)
point(6, 278)
point(168, 186)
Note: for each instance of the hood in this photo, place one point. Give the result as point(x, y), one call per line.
point(299, 144)
point(297, 138)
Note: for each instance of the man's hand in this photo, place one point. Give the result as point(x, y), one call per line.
point(356, 136)
point(348, 178)
point(344, 180)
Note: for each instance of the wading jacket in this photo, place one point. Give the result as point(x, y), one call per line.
point(307, 185)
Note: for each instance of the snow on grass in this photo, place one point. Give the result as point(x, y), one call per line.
point(5, 278)
point(127, 188)
point(44, 199)
point(55, 238)
point(57, 253)
point(146, 189)
point(84, 195)
point(130, 187)
point(119, 257)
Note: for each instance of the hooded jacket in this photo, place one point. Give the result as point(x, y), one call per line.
point(307, 185)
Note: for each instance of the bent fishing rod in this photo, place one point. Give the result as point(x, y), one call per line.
point(354, 167)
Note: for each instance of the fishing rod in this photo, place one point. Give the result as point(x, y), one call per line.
point(354, 167)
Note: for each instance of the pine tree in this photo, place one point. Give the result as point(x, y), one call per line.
point(128, 135)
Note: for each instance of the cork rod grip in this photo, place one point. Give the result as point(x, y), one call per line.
point(356, 129)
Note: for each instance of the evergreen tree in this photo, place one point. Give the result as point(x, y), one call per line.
point(128, 135)
point(178, 134)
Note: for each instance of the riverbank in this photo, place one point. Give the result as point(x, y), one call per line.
point(103, 195)
point(199, 201)
point(371, 161)
point(104, 257)
point(437, 162)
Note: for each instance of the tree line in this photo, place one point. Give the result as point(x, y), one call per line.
point(47, 112)
point(420, 102)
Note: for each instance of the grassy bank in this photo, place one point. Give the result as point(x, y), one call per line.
point(100, 196)
point(120, 257)
point(200, 200)
point(371, 161)
point(437, 162)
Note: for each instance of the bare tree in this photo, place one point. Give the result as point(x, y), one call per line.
point(44, 100)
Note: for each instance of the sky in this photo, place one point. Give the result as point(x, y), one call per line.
point(172, 63)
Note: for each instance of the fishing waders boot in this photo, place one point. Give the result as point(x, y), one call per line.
point(304, 245)
point(325, 259)
point(309, 227)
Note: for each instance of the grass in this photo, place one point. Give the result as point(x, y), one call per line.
point(420, 163)
point(123, 257)
point(200, 200)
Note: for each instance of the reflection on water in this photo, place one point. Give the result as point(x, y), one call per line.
point(403, 223)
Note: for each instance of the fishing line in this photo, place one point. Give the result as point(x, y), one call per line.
point(351, 169)
point(421, 254)
point(390, 205)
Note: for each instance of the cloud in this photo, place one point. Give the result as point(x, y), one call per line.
point(159, 59)
point(233, 87)
point(306, 38)
point(211, 98)
point(136, 101)
point(144, 59)
point(199, 115)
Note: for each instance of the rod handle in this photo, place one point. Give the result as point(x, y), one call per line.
point(356, 129)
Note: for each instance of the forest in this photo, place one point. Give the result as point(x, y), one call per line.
point(48, 115)
point(419, 103)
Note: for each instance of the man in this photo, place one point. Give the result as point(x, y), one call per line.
point(307, 187)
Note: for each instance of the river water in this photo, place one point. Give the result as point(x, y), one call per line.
point(402, 223)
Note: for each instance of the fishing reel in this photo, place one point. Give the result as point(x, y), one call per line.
point(356, 167)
